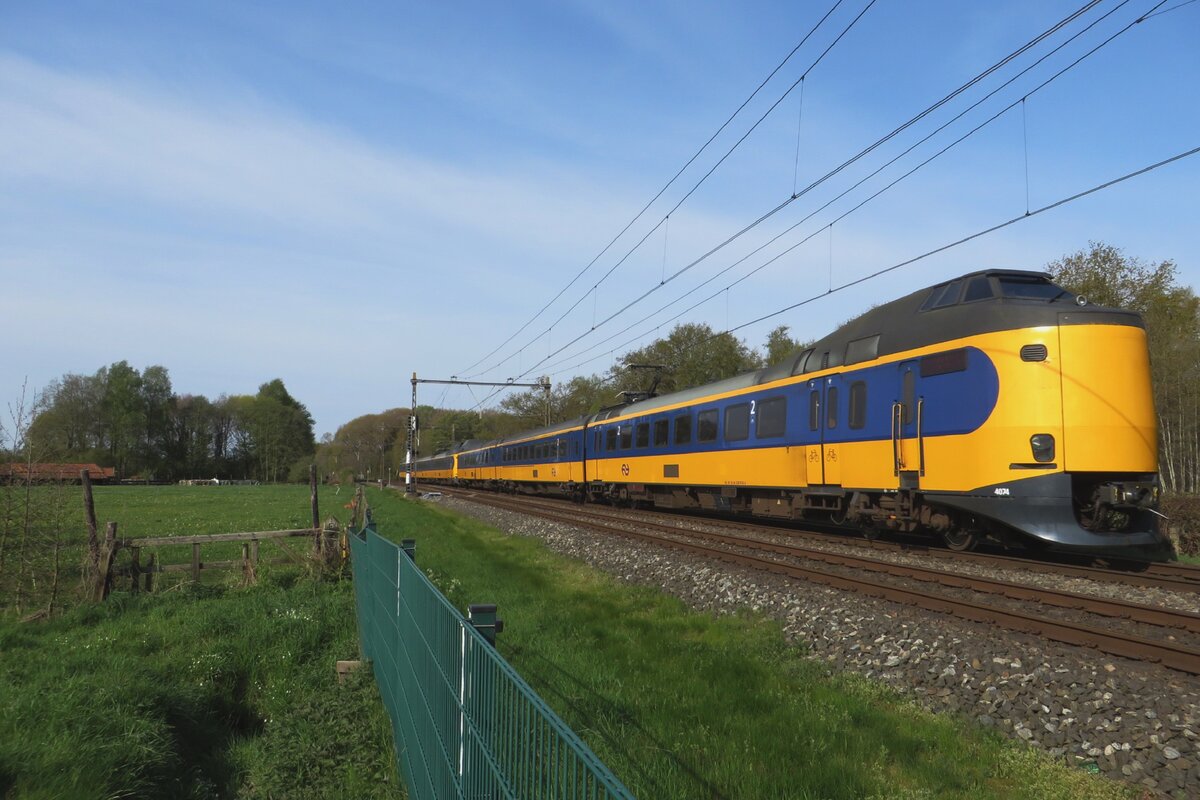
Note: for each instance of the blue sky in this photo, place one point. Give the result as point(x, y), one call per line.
point(341, 195)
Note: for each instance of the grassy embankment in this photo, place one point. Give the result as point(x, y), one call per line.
point(196, 692)
point(684, 705)
point(225, 692)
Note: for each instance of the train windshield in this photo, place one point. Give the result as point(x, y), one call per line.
point(1031, 288)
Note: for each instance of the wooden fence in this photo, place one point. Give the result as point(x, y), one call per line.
point(325, 547)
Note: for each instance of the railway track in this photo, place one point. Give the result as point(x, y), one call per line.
point(1171, 577)
point(937, 588)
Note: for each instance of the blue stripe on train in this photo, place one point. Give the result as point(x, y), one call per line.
point(955, 403)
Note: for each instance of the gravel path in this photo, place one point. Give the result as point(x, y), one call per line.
point(1134, 721)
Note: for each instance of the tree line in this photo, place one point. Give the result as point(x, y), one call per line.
point(133, 421)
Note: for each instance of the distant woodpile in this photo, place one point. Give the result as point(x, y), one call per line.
point(215, 482)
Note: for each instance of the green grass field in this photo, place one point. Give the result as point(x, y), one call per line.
point(220, 691)
point(209, 691)
point(686, 705)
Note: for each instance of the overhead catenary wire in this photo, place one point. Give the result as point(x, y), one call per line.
point(664, 188)
point(1151, 13)
point(956, 243)
point(772, 212)
point(702, 180)
point(866, 178)
point(1064, 201)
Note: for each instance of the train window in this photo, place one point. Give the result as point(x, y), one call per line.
point(980, 288)
point(706, 426)
point(1028, 287)
point(910, 390)
point(814, 410)
point(798, 367)
point(863, 349)
point(626, 432)
point(858, 405)
point(643, 434)
point(737, 422)
point(831, 403)
point(942, 363)
point(683, 429)
point(772, 418)
point(610, 439)
point(942, 296)
point(661, 432)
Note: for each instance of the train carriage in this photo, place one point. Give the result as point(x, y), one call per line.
point(996, 405)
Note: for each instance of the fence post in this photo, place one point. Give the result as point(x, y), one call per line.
point(89, 508)
point(135, 568)
point(482, 617)
point(151, 565)
point(196, 562)
point(104, 571)
point(316, 512)
point(248, 576)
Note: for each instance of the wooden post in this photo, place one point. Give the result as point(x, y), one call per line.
point(254, 552)
point(104, 571)
point(135, 568)
point(316, 513)
point(89, 509)
point(196, 562)
point(248, 575)
point(150, 567)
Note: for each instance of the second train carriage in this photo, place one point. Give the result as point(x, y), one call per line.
point(994, 405)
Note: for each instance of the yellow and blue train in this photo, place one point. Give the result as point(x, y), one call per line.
point(993, 406)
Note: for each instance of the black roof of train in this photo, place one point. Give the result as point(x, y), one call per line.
point(904, 324)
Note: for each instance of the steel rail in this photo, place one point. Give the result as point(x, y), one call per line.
point(1173, 577)
point(1175, 656)
point(1120, 609)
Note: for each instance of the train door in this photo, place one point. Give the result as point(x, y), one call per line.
point(813, 457)
point(833, 426)
point(824, 427)
point(908, 447)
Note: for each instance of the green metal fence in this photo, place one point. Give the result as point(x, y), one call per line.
point(465, 724)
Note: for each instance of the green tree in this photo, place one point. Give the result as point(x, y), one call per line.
point(365, 444)
point(278, 430)
point(157, 400)
point(581, 395)
point(1108, 277)
point(68, 427)
point(123, 414)
point(692, 354)
point(779, 345)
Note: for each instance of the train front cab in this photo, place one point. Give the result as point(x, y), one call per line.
point(1074, 430)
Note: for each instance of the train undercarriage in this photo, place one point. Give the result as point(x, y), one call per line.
point(1110, 516)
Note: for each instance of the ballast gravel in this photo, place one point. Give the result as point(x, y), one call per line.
point(1132, 721)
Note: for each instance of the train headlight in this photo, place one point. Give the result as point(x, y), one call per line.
point(1043, 447)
